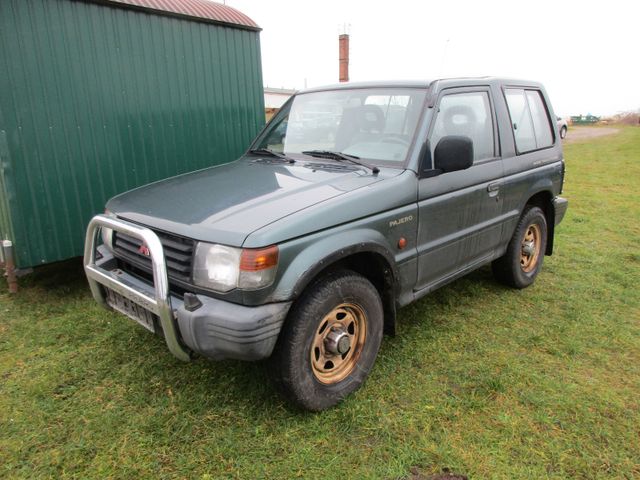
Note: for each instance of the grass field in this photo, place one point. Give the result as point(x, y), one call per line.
point(482, 380)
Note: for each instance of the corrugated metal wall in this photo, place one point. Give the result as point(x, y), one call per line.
point(96, 100)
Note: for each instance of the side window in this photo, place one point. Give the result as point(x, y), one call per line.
point(521, 120)
point(544, 137)
point(467, 114)
point(529, 119)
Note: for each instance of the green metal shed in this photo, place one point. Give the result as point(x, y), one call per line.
point(98, 97)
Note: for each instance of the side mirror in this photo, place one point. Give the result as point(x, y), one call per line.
point(453, 152)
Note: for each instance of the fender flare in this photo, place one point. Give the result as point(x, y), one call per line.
point(544, 188)
point(347, 251)
point(320, 255)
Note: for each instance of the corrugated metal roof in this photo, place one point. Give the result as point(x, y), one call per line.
point(199, 9)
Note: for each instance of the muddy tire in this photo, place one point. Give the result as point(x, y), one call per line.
point(522, 262)
point(329, 342)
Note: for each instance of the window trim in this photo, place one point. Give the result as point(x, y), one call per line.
point(497, 153)
point(546, 109)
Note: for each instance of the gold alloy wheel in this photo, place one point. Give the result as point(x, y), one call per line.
point(530, 248)
point(338, 343)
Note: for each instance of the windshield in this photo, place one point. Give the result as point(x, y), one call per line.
point(376, 124)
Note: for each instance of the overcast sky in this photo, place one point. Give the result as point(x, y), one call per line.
point(586, 53)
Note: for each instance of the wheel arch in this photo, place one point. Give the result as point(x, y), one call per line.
point(372, 261)
point(544, 200)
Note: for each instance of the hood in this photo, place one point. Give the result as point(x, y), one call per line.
point(224, 204)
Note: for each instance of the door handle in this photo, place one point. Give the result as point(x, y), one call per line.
point(493, 187)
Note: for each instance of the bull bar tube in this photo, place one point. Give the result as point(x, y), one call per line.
point(161, 304)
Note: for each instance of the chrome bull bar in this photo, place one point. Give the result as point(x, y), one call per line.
point(161, 304)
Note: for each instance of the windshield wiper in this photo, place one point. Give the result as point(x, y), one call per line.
point(266, 151)
point(340, 157)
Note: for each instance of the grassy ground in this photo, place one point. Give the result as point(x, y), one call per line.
point(482, 380)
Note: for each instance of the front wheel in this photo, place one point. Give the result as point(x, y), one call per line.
point(329, 342)
point(522, 262)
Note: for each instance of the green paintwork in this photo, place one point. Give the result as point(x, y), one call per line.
point(225, 204)
point(96, 100)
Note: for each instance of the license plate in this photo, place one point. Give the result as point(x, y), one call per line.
point(131, 309)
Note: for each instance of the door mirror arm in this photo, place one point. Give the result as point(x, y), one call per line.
point(426, 168)
point(431, 172)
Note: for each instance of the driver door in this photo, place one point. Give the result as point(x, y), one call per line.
point(459, 212)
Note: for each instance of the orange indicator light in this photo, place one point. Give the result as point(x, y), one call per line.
point(256, 259)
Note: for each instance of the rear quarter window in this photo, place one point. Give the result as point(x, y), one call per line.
point(529, 119)
point(544, 137)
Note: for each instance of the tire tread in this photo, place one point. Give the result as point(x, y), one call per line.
point(506, 269)
point(289, 376)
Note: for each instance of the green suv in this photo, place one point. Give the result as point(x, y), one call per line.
point(355, 200)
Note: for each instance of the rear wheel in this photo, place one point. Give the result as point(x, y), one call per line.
point(329, 342)
point(522, 262)
point(563, 132)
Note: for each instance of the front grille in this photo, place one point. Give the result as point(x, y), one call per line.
point(178, 253)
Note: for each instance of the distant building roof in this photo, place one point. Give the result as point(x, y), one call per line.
point(276, 97)
point(202, 10)
point(281, 91)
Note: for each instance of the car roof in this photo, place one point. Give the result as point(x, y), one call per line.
point(437, 84)
point(372, 84)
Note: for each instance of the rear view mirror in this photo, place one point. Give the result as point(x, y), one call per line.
point(453, 152)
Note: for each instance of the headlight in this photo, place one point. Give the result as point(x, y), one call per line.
point(223, 268)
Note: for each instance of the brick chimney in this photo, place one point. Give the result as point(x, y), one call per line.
point(343, 41)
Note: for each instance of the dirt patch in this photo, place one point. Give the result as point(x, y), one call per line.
point(579, 134)
point(417, 474)
point(444, 476)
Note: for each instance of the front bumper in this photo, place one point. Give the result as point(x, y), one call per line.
point(216, 329)
point(220, 329)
